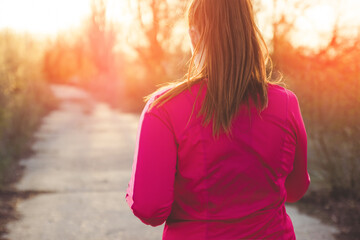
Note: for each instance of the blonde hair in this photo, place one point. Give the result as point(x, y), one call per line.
point(235, 58)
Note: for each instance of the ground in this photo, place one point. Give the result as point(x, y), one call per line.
point(343, 212)
point(73, 185)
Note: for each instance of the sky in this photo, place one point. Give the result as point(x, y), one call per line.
point(48, 17)
point(313, 27)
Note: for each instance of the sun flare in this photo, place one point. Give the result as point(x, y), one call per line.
point(320, 17)
point(51, 16)
point(314, 26)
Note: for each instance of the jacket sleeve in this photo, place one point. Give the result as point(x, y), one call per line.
point(151, 188)
point(298, 180)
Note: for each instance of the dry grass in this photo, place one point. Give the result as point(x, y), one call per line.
point(327, 84)
point(24, 95)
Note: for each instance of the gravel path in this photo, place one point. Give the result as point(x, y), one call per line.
point(83, 158)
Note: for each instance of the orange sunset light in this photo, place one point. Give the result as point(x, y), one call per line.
point(48, 17)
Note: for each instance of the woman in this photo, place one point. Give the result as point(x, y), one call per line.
point(219, 153)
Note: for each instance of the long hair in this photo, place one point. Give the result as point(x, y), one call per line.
point(234, 56)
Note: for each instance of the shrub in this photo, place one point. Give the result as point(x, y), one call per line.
point(327, 84)
point(24, 95)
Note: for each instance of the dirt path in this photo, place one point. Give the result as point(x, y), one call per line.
point(83, 159)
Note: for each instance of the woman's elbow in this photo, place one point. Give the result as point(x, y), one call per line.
point(293, 198)
point(295, 193)
point(151, 215)
point(150, 220)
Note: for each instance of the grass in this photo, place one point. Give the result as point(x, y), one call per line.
point(25, 96)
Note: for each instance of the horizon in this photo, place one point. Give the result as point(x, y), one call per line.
point(312, 27)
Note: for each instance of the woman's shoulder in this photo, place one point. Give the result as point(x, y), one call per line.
point(281, 101)
point(176, 104)
point(183, 96)
point(279, 91)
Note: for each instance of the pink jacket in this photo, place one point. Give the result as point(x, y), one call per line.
point(225, 188)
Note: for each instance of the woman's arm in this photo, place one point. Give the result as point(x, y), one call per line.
point(298, 180)
point(151, 188)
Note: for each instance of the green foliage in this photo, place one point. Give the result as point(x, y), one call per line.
point(24, 96)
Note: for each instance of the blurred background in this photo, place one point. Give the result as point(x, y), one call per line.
point(120, 50)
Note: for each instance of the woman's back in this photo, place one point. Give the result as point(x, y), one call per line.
point(230, 187)
point(209, 166)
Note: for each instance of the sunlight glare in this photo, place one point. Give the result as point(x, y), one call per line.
point(322, 17)
point(48, 17)
point(315, 26)
point(119, 11)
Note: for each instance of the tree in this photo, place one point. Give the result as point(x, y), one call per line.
point(156, 20)
point(326, 82)
point(101, 39)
